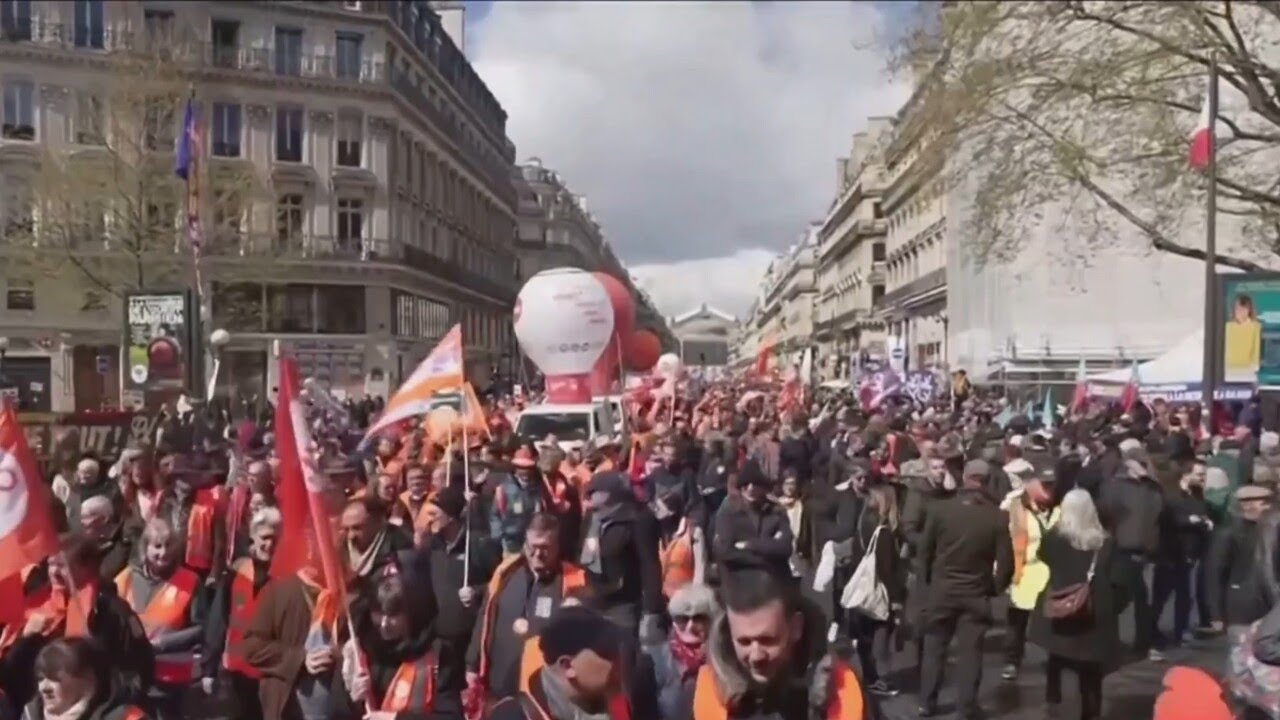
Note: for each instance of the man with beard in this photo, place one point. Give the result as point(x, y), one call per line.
point(164, 595)
point(768, 659)
point(234, 603)
point(964, 538)
point(99, 523)
point(458, 584)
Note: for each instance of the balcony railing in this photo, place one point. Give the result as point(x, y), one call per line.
point(62, 35)
point(307, 65)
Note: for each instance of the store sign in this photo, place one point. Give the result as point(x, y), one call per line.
point(157, 352)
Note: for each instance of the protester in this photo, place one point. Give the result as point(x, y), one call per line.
point(1074, 550)
point(74, 682)
point(389, 670)
point(693, 610)
point(99, 523)
point(1131, 505)
point(1031, 515)
point(620, 554)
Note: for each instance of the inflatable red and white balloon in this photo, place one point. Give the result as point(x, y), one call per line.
point(567, 322)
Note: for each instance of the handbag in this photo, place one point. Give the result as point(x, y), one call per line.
point(1073, 600)
point(864, 592)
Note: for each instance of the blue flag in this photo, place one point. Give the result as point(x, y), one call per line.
point(182, 153)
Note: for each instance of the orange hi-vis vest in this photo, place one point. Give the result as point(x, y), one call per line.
point(244, 603)
point(531, 662)
point(572, 577)
point(200, 529)
point(168, 609)
point(847, 700)
point(678, 562)
point(413, 689)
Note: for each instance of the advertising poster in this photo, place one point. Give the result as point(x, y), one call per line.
point(156, 342)
point(1250, 333)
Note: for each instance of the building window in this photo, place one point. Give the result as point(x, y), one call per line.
point(291, 308)
point(15, 19)
point(159, 124)
point(89, 120)
point(158, 25)
point(226, 130)
point(289, 133)
point(21, 295)
point(19, 110)
point(877, 252)
point(350, 223)
point(348, 55)
point(289, 220)
point(88, 32)
point(288, 51)
point(877, 292)
point(225, 35)
point(340, 309)
point(350, 129)
point(238, 306)
point(876, 211)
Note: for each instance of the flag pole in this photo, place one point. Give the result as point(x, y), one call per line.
point(1212, 346)
point(466, 516)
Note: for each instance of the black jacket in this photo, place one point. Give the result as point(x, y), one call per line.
point(631, 571)
point(454, 620)
point(1131, 508)
point(920, 497)
point(1184, 532)
point(964, 538)
point(765, 529)
point(114, 624)
point(1236, 593)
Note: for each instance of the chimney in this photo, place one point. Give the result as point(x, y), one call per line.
point(842, 173)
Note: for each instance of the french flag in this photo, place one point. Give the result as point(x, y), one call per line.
point(1202, 139)
point(1130, 396)
point(1080, 398)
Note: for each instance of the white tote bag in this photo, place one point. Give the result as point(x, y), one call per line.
point(864, 591)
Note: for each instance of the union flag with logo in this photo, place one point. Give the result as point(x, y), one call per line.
point(27, 533)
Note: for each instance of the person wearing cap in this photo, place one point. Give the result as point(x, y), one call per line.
point(768, 657)
point(522, 594)
point(516, 499)
point(1235, 586)
point(1132, 505)
point(1185, 531)
point(965, 537)
point(620, 554)
point(583, 661)
point(1031, 513)
point(751, 521)
point(458, 578)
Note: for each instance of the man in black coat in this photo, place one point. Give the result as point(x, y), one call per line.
point(964, 538)
point(1131, 505)
point(1236, 592)
point(751, 521)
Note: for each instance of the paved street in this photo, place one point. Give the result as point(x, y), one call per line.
point(1128, 694)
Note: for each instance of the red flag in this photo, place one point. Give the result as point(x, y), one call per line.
point(1202, 138)
point(301, 492)
point(27, 534)
point(1081, 396)
point(1130, 395)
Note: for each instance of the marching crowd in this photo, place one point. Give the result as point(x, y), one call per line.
point(741, 554)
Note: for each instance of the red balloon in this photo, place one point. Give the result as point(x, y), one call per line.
point(624, 307)
point(643, 350)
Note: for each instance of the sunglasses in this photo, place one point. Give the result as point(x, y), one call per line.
point(686, 619)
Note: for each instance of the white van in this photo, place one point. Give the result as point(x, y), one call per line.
point(573, 425)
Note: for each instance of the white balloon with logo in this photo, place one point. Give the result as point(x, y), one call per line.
point(563, 322)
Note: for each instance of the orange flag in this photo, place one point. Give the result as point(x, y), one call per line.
point(441, 370)
point(27, 534)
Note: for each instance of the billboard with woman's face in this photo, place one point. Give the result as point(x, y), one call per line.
point(1250, 331)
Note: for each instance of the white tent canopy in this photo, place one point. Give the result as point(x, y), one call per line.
point(1182, 363)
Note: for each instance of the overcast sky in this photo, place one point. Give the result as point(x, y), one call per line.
point(704, 135)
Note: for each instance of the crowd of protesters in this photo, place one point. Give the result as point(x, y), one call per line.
point(746, 553)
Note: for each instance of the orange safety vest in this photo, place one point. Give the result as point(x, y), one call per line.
point(413, 688)
point(531, 662)
point(243, 606)
point(847, 700)
point(572, 577)
point(168, 609)
point(678, 563)
point(200, 529)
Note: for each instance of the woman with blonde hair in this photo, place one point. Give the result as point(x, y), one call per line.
point(878, 529)
point(1079, 555)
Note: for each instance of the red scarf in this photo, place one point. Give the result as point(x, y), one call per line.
point(690, 659)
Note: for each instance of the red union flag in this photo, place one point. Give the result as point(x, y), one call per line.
point(441, 370)
point(27, 534)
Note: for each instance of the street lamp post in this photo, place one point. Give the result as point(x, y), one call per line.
point(218, 339)
point(4, 348)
